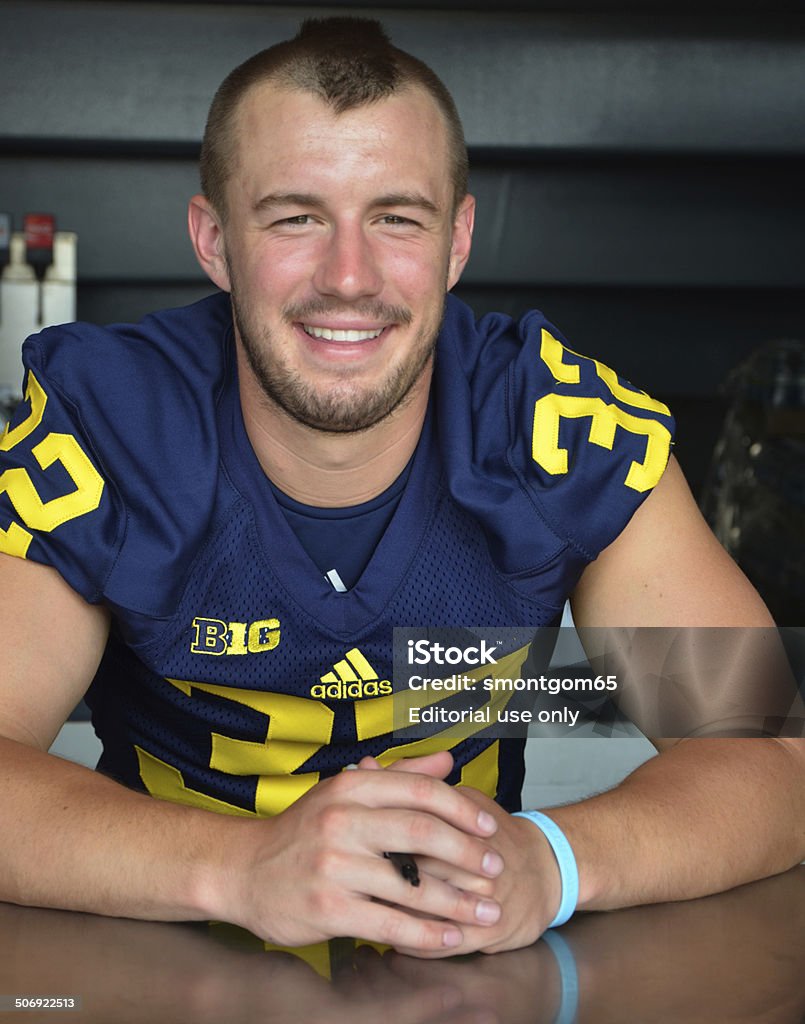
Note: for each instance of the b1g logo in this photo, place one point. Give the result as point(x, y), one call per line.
point(214, 636)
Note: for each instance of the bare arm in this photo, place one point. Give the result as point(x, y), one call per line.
point(706, 814)
point(79, 841)
point(703, 816)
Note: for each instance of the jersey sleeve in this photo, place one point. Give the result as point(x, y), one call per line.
point(550, 451)
point(56, 505)
point(587, 445)
point(109, 469)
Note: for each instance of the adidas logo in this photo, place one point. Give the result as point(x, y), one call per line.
point(351, 678)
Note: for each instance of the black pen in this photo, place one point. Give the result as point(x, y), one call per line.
point(406, 865)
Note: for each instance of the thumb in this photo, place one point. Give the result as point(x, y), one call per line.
point(438, 765)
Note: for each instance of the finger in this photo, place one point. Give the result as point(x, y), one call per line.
point(475, 939)
point(479, 884)
point(422, 834)
point(414, 791)
point(483, 940)
point(393, 926)
point(434, 899)
point(439, 899)
point(439, 765)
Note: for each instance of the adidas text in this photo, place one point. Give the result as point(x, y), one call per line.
point(356, 690)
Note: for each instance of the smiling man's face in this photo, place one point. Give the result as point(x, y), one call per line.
point(340, 243)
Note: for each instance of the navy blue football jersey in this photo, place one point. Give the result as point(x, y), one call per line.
point(235, 676)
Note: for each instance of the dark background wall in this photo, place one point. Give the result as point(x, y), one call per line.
point(639, 167)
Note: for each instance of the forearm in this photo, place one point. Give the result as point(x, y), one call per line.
point(79, 841)
point(702, 817)
point(76, 840)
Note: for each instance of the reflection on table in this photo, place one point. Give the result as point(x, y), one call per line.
point(738, 956)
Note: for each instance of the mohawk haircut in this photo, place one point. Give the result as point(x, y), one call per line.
point(348, 63)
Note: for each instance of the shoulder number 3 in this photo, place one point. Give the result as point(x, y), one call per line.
point(605, 418)
point(17, 483)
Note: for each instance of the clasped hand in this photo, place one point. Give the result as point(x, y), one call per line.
point(317, 870)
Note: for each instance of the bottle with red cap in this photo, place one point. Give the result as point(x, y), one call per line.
point(39, 229)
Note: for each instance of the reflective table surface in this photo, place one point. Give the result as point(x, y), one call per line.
point(739, 956)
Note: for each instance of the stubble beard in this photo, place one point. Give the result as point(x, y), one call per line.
point(342, 406)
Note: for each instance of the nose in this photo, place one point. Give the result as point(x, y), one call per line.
point(348, 267)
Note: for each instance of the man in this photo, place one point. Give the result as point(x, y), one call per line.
point(176, 478)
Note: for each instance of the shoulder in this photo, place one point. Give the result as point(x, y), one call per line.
point(140, 395)
point(111, 460)
point(88, 361)
point(584, 445)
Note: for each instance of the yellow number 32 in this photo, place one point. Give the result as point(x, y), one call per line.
point(17, 483)
point(605, 418)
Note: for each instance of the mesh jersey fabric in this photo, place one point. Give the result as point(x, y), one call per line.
point(235, 677)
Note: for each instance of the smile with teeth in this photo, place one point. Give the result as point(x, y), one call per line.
point(333, 334)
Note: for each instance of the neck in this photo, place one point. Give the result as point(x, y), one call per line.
point(330, 470)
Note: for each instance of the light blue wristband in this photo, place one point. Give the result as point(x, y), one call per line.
point(568, 871)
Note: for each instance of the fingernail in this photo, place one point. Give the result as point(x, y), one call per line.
point(492, 864)
point(452, 937)
point(486, 822)
point(487, 911)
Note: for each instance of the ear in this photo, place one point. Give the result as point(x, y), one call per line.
point(462, 239)
point(207, 236)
